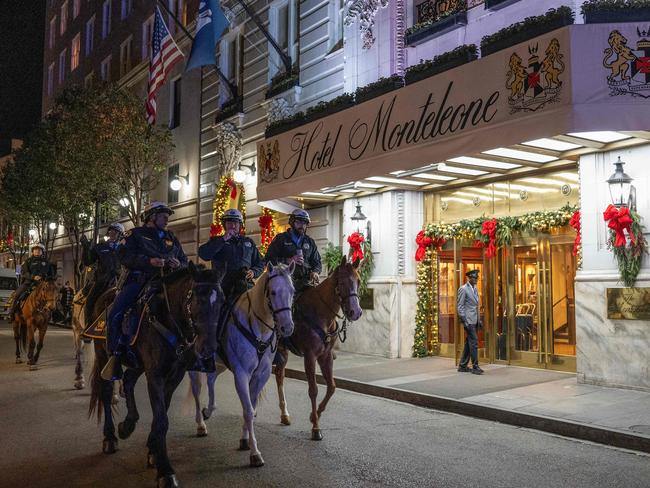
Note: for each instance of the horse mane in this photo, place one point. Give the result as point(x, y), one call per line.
point(256, 293)
point(175, 275)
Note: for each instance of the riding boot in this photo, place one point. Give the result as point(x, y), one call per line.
point(113, 369)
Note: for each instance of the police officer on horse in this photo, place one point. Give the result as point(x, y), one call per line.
point(146, 252)
point(105, 254)
point(34, 269)
point(238, 253)
point(296, 246)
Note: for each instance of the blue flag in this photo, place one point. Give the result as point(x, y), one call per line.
point(209, 27)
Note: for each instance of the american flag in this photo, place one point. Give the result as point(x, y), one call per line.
point(164, 56)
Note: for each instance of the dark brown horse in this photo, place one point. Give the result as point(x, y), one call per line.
point(316, 332)
point(178, 332)
point(35, 315)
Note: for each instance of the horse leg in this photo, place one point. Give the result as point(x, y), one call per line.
point(326, 363)
point(126, 427)
point(32, 343)
point(285, 419)
point(211, 379)
point(242, 385)
point(17, 339)
point(157, 443)
point(79, 382)
point(41, 337)
point(195, 384)
point(310, 371)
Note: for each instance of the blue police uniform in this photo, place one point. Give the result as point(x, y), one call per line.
point(105, 254)
point(285, 245)
point(138, 247)
point(238, 254)
point(33, 269)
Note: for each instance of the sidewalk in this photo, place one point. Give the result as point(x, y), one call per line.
point(540, 399)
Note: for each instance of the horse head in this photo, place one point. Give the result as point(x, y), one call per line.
point(279, 292)
point(204, 307)
point(347, 288)
point(48, 291)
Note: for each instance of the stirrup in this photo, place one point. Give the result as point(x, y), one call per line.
point(113, 369)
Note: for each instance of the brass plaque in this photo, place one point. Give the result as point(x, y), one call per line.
point(367, 300)
point(628, 303)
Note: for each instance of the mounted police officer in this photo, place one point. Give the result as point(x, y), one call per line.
point(296, 246)
point(145, 251)
point(239, 255)
point(105, 254)
point(34, 269)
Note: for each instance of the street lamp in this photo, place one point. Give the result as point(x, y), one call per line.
point(239, 174)
point(358, 216)
point(53, 225)
point(622, 192)
point(124, 202)
point(177, 183)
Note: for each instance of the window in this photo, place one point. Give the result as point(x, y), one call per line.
point(179, 9)
point(76, 6)
point(90, 35)
point(230, 62)
point(74, 53)
point(64, 17)
point(62, 56)
point(336, 13)
point(127, 7)
point(125, 56)
point(175, 112)
point(89, 80)
point(50, 80)
point(172, 172)
point(106, 18)
point(147, 31)
point(105, 69)
point(283, 16)
point(52, 32)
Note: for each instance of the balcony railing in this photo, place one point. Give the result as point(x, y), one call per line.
point(432, 10)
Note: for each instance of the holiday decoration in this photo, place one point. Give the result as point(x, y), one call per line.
point(365, 11)
point(267, 229)
point(629, 256)
point(356, 253)
point(575, 224)
point(229, 195)
point(426, 315)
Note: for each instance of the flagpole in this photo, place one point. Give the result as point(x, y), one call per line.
point(233, 89)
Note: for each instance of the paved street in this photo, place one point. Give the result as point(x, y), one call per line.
point(48, 441)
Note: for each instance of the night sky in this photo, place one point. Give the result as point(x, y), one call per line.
point(22, 31)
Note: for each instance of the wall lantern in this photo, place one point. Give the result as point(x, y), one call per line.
point(177, 183)
point(239, 174)
point(358, 216)
point(622, 192)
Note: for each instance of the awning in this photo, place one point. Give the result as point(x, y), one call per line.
point(577, 79)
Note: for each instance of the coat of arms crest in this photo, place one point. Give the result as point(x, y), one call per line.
point(268, 160)
point(533, 86)
point(629, 69)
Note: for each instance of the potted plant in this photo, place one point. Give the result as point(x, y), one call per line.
point(529, 28)
point(279, 126)
point(323, 109)
point(283, 81)
point(332, 257)
point(438, 25)
point(604, 11)
point(443, 62)
point(378, 88)
point(231, 107)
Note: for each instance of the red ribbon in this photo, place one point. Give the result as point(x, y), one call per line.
point(489, 228)
point(233, 188)
point(619, 220)
point(423, 241)
point(575, 224)
point(355, 239)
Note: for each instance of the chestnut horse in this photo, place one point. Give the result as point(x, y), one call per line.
point(316, 332)
point(35, 315)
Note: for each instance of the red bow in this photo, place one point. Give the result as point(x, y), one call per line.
point(265, 222)
point(619, 220)
point(423, 241)
point(216, 230)
point(355, 239)
point(233, 188)
point(575, 224)
point(489, 228)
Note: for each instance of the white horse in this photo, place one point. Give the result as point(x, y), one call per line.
point(258, 319)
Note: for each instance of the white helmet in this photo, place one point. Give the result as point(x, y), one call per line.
point(116, 226)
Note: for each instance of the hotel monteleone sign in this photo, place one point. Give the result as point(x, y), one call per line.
point(550, 85)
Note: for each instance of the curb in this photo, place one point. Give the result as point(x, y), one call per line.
point(565, 428)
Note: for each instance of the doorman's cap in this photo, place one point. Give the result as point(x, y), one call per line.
point(472, 274)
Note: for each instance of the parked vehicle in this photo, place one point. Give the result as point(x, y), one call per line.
point(8, 285)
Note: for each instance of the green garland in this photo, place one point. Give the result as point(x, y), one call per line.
point(426, 314)
point(630, 256)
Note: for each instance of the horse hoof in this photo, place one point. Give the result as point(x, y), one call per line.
point(256, 461)
point(19, 361)
point(244, 445)
point(79, 385)
point(201, 431)
point(33, 367)
point(125, 429)
point(109, 446)
point(151, 461)
point(285, 420)
point(316, 435)
point(168, 481)
point(205, 413)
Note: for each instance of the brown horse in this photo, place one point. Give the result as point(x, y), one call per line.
point(34, 315)
point(316, 332)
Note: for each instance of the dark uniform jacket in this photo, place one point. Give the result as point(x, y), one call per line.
point(35, 266)
point(106, 256)
point(239, 254)
point(141, 244)
point(282, 248)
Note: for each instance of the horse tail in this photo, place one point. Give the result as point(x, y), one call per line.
point(96, 404)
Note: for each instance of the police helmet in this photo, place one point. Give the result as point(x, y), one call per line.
point(38, 245)
point(155, 208)
point(232, 215)
point(299, 214)
point(117, 227)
